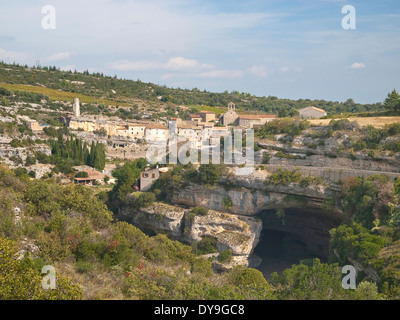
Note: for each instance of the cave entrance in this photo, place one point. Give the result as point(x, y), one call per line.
point(297, 235)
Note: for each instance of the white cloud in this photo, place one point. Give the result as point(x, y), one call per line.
point(126, 65)
point(11, 56)
point(59, 56)
point(260, 71)
point(180, 63)
point(221, 74)
point(358, 65)
point(173, 64)
point(284, 69)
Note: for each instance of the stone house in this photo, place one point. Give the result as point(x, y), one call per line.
point(195, 118)
point(93, 178)
point(207, 116)
point(34, 125)
point(312, 113)
point(230, 116)
point(156, 133)
point(251, 120)
point(147, 178)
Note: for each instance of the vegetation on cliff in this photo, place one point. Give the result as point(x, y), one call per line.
point(94, 256)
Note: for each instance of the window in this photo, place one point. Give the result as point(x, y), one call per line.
point(153, 175)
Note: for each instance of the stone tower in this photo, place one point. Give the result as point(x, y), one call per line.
point(230, 116)
point(77, 109)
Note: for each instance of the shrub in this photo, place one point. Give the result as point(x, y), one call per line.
point(225, 256)
point(208, 174)
point(144, 200)
point(206, 245)
point(266, 158)
point(84, 266)
point(284, 177)
point(227, 203)
point(82, 174)
point(30, 161)
point(249, 277)
point(200, 211)
point(20, 280)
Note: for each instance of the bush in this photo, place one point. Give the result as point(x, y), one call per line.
point(227, 203)
point(284, 177)
point(288, 126)
point(200, 211)
point(206, 245)
point(208, 174)
point(143, 200)
point(30, 161)
point(225, 256)
point(84, 266)
point(82, 174)
point(249, 277)
point(266, 158)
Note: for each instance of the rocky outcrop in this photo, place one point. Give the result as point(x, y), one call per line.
point(159, 217)
point(318, 157)
point(236, 233)
point(239, 210)
point(250, 195)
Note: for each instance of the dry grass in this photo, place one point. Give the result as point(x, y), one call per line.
point(97, 284)
point(377, 122)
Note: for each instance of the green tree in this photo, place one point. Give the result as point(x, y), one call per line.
point(392, 101)
point(208, 174)
point(320, 281)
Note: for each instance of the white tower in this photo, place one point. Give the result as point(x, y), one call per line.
point(76, 108)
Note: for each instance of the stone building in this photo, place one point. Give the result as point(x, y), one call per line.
point(195, 118)
point(76, 108)
point(207, 116)
point(156, 133)
point(34, 125)
point(230, 116)
point(92, 178)
point(252, 120)
point(312, 113)
point(147, 178)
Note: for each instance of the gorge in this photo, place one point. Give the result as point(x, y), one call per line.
point(265, 226)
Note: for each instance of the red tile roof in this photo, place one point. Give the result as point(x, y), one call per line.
point(208, 112)
point(92, 175)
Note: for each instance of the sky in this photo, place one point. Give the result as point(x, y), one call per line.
point(285, 48)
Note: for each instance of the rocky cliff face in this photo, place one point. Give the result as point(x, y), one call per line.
point(237, 215)
point(236, 233)
point(250, 195)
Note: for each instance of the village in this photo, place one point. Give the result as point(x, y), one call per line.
point(129, 140)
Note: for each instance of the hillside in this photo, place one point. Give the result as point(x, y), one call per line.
point(100, 88)
point(330, 194)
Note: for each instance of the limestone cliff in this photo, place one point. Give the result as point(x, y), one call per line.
point(236, 233)
point(239, 212)
point(250, 195)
